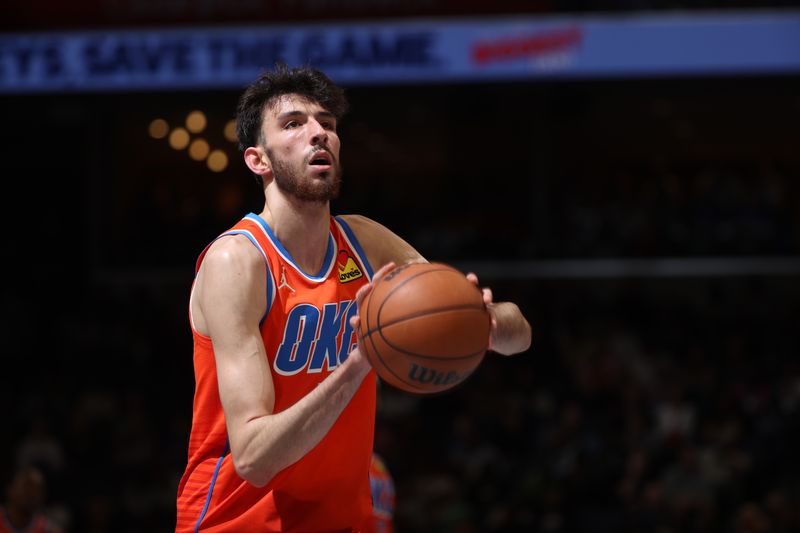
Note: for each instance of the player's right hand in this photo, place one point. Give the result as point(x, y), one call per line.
point(355, 320)
point(362, 293)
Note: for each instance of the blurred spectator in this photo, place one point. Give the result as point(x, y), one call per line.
point(40, 447)
point(24, 507)
point(383, 497)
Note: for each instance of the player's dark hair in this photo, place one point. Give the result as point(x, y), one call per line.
point(304, 81)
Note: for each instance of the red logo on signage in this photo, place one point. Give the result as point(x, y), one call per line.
point(506, 49)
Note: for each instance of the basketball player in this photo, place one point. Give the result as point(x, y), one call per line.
point(284, 405)
point(383, 497)
point(25, 498)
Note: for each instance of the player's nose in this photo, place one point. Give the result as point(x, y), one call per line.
point(319, 135)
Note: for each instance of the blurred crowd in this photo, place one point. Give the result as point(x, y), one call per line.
point(645, 406)
point(102, 403)
point(654, 406)
point(707, 210)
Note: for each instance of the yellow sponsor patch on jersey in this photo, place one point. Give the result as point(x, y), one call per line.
point(348, 269)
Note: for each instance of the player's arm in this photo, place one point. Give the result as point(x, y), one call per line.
point(380, 244)
point(231, 298)
point(511, 332)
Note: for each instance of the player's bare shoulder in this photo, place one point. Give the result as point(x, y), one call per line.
point(380, 243)
point(232, 273)
point(231, 254)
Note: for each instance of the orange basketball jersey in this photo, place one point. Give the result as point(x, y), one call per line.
point(383, 498)
point(307, 334)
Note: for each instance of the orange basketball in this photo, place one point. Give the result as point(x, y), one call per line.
point(424, 327)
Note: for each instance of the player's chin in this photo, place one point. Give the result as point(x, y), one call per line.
point(322, 179)
point(322, 171)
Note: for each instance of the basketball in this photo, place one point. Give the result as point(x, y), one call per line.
point(424, 327)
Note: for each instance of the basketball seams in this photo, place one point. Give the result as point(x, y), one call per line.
point(371, 333)
point(418, 274)
point(396, 348)
point(417, 388)
point(373, 355)
point(379, 358)
point(389, 294)
point(419, 314)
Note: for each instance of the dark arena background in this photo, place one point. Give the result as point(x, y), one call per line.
point(628, 172)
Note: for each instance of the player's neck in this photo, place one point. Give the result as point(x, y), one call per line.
point(302, 228)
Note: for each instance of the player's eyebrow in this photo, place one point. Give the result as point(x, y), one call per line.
point(288, 114)
point(296, 113)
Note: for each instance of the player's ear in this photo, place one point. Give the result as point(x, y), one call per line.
point(257, 161)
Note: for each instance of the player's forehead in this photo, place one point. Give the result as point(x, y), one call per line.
point(284, 104)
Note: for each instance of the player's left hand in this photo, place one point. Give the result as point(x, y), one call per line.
point(488, 301)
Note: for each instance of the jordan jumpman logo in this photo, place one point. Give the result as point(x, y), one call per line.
point(283, 282)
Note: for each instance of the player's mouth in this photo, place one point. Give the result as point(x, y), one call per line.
point(321, 160)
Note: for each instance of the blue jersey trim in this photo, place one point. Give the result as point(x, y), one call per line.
point(326, 263)
point(270, 281)
point(211, 487)
point(356, 245)
point(270, 294)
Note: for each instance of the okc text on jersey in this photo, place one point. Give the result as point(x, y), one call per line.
point(314, 338)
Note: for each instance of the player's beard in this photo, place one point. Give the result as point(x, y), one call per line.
point(292, 180)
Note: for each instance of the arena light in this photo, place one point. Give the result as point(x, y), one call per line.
point(158, 128)
point(217, 161)
point(179, 139)
point(199, 149)
point(230, 131)
point(196, 121)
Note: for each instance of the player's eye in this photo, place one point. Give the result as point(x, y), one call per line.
point(291, 125)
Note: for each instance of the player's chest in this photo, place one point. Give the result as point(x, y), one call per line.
point(307, 328)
